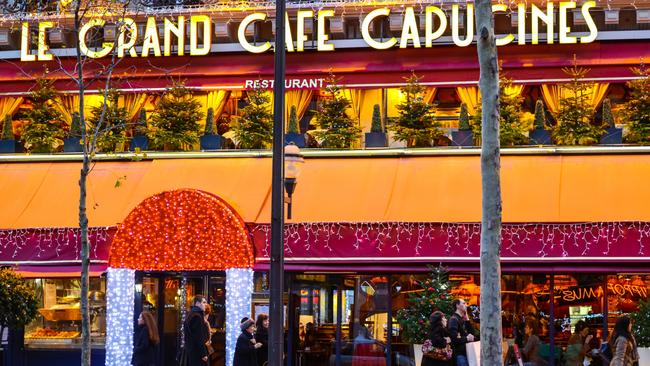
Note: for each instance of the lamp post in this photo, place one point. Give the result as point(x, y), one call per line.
point(292, 161)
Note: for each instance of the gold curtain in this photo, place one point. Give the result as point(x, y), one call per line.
point(514, 90)
point(356, 97)
point(67, 104)
point(217, 100)
point(9, 106)
point(553, 95)
point(133, 103)
point(299, 99)
point(429, 94)
point(471, 96)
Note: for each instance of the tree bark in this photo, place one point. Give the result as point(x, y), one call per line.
point(491, 332)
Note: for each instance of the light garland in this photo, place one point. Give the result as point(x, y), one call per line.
point(239, 287)
point(119, 316)
point(171, 231)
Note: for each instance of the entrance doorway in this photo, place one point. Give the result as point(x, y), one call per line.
point(162, 294)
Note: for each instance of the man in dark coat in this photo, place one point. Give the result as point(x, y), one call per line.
point(246, 348)
point(196, 334)
point(461, 332)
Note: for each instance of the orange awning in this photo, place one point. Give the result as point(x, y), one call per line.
point(536, 188)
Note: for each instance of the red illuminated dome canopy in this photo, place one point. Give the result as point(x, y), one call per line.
point(182, 230)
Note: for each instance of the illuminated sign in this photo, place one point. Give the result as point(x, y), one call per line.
point(173, 32)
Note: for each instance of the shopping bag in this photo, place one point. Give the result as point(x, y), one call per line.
point(473, 353)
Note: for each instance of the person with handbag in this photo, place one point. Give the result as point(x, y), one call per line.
point(623, 344)
point(461, 332)
point(438, 342)
point(246, 347)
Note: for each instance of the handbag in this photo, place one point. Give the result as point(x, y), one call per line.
point(435, 353)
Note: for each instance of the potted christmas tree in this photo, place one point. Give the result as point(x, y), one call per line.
point(540, 135)
point(376, 137)
point(175, 122)
point(8, 144)
point(293, 131)
point(109, 121)
point(464, 135)
point(140, 140)
point(254, 129)
point(613, 135)
point(637, 109)
point(44, 131)
point(73, 142)
point(210, 139)
point(335, 128)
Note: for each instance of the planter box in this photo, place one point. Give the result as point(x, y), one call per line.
point(297, 138)
point(612, 136)
point(141, 142)
point(9, 146)
point(462, 138)
point(210, 142)
point(644, 356)
point(540, 136)
point(376, 139)
point(71, 145)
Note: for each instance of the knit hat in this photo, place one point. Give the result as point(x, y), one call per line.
point(245, 325)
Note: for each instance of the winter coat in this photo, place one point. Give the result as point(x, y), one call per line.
point(196, 335)
point(625, 353)
point(459, 329)
point(437, 338)
point(245, 352)
point(144, 353)
point(262, 336)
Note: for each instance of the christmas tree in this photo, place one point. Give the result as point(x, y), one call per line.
point(175, 122)
point(111, 130)
point(44, 131)
point(608, 117)
point(141, 125)
point(335, 127)
point(574, 119)
point(7, 129)
point(293, 121)
point(416, 122)
point(209, 123)
point(435, 295)
point(642, 324)
point(637, 109)
point(540, 115)
point(463, 119)
point(376, 120)
point(254, 129)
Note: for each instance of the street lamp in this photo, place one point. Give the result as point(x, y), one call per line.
point(292, 162)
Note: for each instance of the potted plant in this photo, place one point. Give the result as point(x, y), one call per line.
point(642, 331)
point(210, 139)
point(73, 142)
point(540, 135)
point(613, 135)
point(464, 135)
point(111, 134)
point(44, 130)
point(175, 122)
point(293, 131)
point(254, 129)
point(416, 122)
point(19, 304)
point(8, 144)
point(335, 128)
point(376, 137)
point(140, 141)
point(637, 109)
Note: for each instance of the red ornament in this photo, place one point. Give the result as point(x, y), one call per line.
point(182, 230)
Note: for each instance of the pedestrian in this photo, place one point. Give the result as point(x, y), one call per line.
point(262, 336)
point(578, 345)
point(461, 332)
point(196, 333)
point(247, 346)
point(146, 340)
point(623, 344)
point(530, 352)
point(208, 343)
point(439, 337)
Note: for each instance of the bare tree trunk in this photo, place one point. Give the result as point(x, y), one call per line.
point(491, 333)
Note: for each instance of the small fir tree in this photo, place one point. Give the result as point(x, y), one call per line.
point(293, 121)
point(608, 117)
point(111, 133)
point(637, 109)
point(641, 319)
point(416, 122)
point(141, 124)
point(7, 129)
point(209, 123)
point(44, 131)
point(336, 129)
point(254, 129)
point(540, 115)
point(435, 295)
point(376, 120)
point(574, 119)
point(175, 122)
point(463, 119)
point(18, 301)
point(75, 126)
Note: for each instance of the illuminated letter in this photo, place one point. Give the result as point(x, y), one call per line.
point(470, 26)
point(287, 33)
point(151, 39)
point(127, 24)
point(43, 55)
point(430, 35)
point(365, 30)
point(564, 28)
point(300, 24)
point(322, 37)
point(593, 31)
point(509, 38)
point(179, 31)
point(241, 33)
point(24, 44)
point(107, 46)
point(409, 29)
point(194, 36)
point(547, 18)
point(521, 23)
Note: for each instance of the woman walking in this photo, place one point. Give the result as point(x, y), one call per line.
point(439, 337)
point(623, 344)
point(146, 339)
point(247, 346)
point(262, 336)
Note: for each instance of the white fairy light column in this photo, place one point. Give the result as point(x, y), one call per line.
point(119, 316)
point(239, 287)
